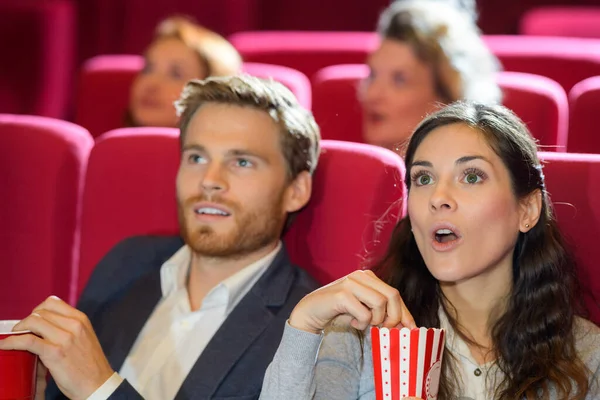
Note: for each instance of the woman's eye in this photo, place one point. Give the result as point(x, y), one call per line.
point(176, 74)
point(424, 180)
point(421, 178)
point(472, 178)
point(147, 68)
point(399, 79)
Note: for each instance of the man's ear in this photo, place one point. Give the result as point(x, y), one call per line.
point(530, 209)
point(298, 192)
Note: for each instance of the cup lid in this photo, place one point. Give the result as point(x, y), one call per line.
point(6, 327)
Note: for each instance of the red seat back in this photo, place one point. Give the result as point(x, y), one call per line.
point(584, 103)
point(572, 181)
point(103, 92)
point(335, 101)
point(541, 103)
point(130, 190)
point(357, 199)
point(307, 52)
point(565, 60)
point(42, 162)
point(577, 21)
point(293, 79)
point(37, 50)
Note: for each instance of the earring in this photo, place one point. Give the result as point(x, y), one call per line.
point(527, 226)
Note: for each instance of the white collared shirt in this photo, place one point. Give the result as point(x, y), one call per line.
point(174, 336)
point(478, 382)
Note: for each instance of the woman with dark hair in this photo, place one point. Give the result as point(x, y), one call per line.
point(480, 255)
point(181, 50)
point(430, 54)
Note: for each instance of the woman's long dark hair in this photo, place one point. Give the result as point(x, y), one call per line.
point(534, 339)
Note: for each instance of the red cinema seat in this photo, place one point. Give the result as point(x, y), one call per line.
point(105, 82)
point(42, 162)
point(103, 92)
point(293, 79)
point(37, 50)
point(130, 190)
point(574, 21)
point(584, 103)
point(565, 60)
point(539, 101)
point(572, 181)
point(357, 200)
point(336, 107)
point(307, 52)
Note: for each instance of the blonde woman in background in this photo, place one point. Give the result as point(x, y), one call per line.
point(181, 50)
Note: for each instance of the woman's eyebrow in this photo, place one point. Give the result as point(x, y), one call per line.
point(461, 160)
point(421, 163)
point(466, 159)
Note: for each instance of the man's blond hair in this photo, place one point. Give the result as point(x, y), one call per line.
point(300, 134)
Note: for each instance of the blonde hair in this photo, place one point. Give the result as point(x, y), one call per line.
point(300, 135)
point(447, 38)
point(218, 56)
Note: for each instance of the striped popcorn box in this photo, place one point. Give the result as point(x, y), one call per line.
point(407, 362)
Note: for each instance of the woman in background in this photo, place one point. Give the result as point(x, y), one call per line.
point(181, 50)
point(430, 54)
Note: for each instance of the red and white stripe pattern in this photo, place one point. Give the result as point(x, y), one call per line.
point(407, 362)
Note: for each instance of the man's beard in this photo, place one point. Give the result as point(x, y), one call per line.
point(253, 229)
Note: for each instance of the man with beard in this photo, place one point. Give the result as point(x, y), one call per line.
point(201, 319)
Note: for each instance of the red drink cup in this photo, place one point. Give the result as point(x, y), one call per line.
point(407, 362)
point(17, 368)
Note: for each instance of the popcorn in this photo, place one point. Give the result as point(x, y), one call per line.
point(407, 362)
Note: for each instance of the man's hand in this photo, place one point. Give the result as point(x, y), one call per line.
point(65, 341)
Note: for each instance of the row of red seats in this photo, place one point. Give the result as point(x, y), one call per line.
point(38, 80)
point(542, 103)
point(69, 200)
point(565, 60)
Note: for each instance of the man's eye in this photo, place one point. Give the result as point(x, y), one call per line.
point(244, 163)
point(195, 159)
